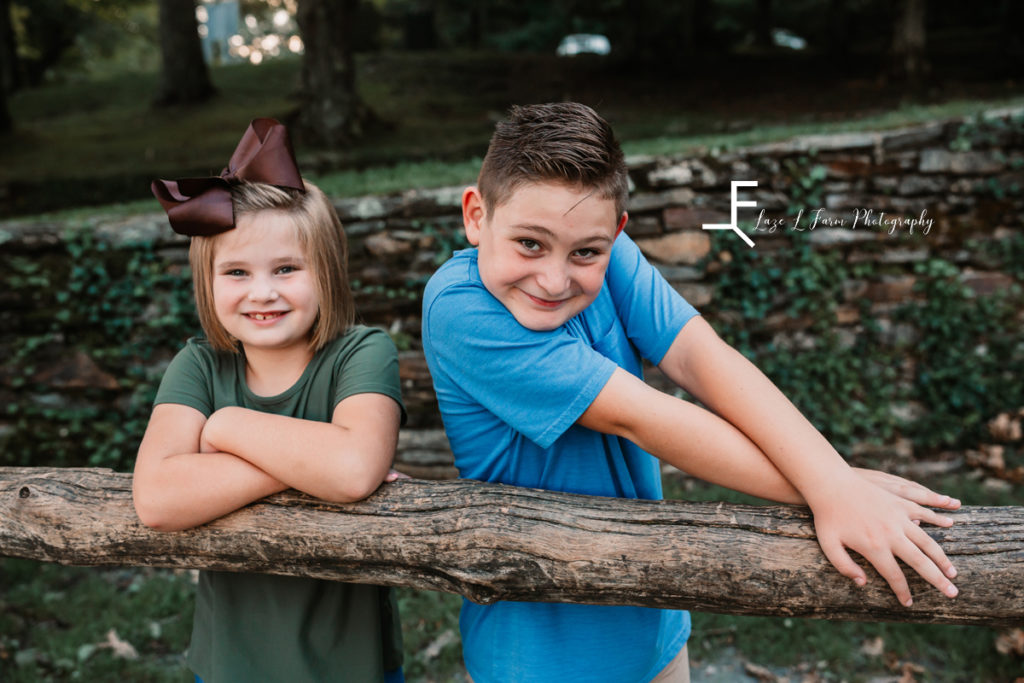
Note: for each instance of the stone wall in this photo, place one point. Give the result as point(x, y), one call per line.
point(879, 203)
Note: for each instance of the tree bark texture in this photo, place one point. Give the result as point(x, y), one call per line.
point(332, 113)
point(184, 78)
point(491, 542)
point(910, 62)
point(9, 76)
point(6, 124)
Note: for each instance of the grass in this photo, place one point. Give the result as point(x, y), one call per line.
point(54, 623)
point(903, 115)
point(107, 127)
point(87, 142)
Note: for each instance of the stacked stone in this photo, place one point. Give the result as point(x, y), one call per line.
point(968, 188)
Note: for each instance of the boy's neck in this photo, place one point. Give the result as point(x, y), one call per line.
point(269, 372)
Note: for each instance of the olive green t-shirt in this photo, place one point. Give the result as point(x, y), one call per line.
point(259, 627)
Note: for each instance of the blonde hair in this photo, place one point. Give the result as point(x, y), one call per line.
point(322, 240)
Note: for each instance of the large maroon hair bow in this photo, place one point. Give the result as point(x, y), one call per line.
point(202, 206)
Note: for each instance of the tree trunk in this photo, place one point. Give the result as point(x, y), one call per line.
point(8, 65)
point(184, 78)
point(909, 62)
point(1011, 43)
point(764, 25)
point(837, 23)
point(491, 542)
point(6, 124)
point(9, 77)
point(332, 114)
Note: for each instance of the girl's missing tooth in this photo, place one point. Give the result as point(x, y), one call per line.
point(283, 392)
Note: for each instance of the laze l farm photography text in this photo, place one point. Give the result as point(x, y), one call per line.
point(858, 219)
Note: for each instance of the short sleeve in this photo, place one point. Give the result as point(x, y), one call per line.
point(538, 383)
point(369, 366)
point(651, 311)
point(188, 380)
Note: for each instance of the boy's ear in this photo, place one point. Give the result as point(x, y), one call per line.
point(473, 213)
point(622, 223)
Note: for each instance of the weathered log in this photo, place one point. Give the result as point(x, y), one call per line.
point(491, 542)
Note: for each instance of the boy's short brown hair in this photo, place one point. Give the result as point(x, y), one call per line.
point(564, 142)
point(322, 240)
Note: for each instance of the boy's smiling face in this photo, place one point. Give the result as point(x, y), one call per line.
point(544, 252)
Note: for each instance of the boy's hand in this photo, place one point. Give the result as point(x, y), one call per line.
point(910, 490)
point(882, 527)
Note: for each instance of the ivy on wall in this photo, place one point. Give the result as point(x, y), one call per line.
point(861, 383)
point(125, 308)
point(933, 367)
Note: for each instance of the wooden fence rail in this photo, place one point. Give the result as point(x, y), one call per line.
point(490, 542)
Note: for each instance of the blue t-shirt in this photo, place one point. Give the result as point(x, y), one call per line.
point(510, 398)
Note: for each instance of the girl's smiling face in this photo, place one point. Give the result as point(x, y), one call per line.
point(264, 291)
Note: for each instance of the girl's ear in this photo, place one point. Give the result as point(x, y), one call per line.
point(473, 214)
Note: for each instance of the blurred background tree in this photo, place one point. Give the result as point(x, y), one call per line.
point(331, 113)
point(8, 61)
point(184, 76)
point(908, 42)
point(372, 82)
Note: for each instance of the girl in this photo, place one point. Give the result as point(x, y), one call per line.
point(284, 392)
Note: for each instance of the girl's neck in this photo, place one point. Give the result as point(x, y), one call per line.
point(269, 372)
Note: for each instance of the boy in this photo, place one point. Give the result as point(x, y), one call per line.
point(534, 340)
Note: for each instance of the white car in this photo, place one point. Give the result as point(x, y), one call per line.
point(583, 43)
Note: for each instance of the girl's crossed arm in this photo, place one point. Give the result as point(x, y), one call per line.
point(177, 486)
point(191, 470)
point(340, 461)
point(757, 442)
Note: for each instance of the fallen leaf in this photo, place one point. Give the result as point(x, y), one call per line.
point(432, 650)
point(909, 669)
point(994, 457)
point(873, 647)
point(120, 648)
point(989, 456)
point(25, 657)
point(1011, 642)
point(85, 651)
point(1005, 427)
point(759, 672)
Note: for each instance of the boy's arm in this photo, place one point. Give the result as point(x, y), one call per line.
point(686, 436)
point(340, 461)
point(706, 446)
point(849, 511)
point(176, 486)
